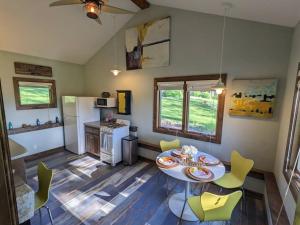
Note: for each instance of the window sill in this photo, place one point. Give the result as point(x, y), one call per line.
point(190, 135)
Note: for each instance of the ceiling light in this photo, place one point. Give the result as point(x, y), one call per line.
point(220, 86)
point(92, 10)
point(115, 69)
point(116, 72)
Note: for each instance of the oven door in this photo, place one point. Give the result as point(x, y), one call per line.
point(106, 143)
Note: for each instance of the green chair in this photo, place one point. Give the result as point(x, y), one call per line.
point(42, 195)
point(166, 146)
point(240, 167)
point(210, 207)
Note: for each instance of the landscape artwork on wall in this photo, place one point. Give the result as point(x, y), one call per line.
point(148, 45)
point(253, 98)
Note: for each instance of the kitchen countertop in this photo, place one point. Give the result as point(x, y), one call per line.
point(98, 124)
point(16, 150)
point(95, 124)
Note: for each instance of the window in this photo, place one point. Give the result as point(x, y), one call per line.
point(293, 144)
point(34, 93)
point(188, 107)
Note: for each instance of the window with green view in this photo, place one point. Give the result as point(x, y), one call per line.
point(189, 107)
point(171, 108)
point(32, 95)
point(202, 117)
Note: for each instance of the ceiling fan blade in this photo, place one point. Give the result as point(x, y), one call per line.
point(115, 10)
point(98, 20)
point(66, 2)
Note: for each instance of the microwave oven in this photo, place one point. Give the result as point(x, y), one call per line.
point(106, 102)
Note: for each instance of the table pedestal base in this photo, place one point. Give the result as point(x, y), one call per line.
point(176, 203)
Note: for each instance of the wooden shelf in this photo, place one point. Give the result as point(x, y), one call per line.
point(33, 128)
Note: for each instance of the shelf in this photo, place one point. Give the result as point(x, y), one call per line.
point(20, 130)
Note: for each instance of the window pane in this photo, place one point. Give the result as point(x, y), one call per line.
point(34, 95)
point(171, 108)
point(202, 116)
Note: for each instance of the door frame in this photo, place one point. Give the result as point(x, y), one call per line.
point(8, 204)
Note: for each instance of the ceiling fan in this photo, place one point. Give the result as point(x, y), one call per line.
point(93, 8)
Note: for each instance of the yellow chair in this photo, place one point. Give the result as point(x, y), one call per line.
point(240, 167)
point(42, 195)
point(211, 207)
point(166, 146)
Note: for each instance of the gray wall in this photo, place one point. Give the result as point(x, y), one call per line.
point(69, 81)
point(252, 50)
point(285, 121)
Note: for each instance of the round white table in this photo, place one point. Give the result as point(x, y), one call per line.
point(178, 201)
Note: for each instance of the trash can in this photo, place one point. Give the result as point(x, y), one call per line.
point(129, 150)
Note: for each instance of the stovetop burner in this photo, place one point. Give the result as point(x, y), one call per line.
point(112, 124)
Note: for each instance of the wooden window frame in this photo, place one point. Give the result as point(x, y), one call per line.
point(184, 132)
point(53, 97)
point(294, 187)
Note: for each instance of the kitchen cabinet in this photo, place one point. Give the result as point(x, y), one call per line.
point(92, 140)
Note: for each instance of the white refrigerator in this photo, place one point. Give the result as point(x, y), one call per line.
point(76, 112)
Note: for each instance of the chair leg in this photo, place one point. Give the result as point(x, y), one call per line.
point(180, 219)
point(167, 180)
point(244, 203)
point(40, 212)
point(50, 215)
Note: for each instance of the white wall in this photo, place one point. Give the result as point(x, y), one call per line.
point(40, 141)
point(252, 50)
point(285, 121)
point(69, 81)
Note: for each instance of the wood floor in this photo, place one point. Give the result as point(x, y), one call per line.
point(87, 192)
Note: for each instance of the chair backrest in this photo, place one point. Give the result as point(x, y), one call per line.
point(219, 207)
point(167, 145)
point(240, 166)
point(45, 177)
point(233, 200)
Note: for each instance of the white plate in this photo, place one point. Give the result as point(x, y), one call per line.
point(199, 173)
point(166, 163)
point(209, 159)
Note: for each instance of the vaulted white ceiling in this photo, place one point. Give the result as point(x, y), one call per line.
point(279, 12)
point(64, 33)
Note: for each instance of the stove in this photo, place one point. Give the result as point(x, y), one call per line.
point(111, 134)
point(110, 126)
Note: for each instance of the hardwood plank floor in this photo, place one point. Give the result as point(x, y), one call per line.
point(86, 191)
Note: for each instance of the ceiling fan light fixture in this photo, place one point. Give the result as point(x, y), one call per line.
point(92, 10)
